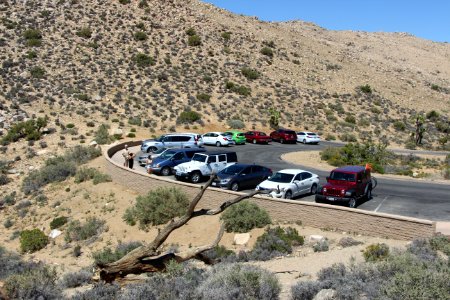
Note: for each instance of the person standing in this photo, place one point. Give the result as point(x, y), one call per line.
point(131, 160)
point(126, 156)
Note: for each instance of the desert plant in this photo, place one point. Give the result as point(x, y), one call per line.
point(194, 40)
point(157, 207)
point(245, 216)
point(58, 222)
point(250, 73)
point(100, 291)
point(102, 136)
point(37, 72)
point(203, 97)
point(107, 255)
point(33, 37)
point(85, 32)
point(142, 60)
point(76, 279)
point(236, 281)
point(191, 31)
point(267, 52)
point(348, 242)
point(226, 35)
point(140, 36)
point(32, 240)
point(188, 116)
point(236, 124)
point(85, 174)
point(274, 117)
point(305, 290)
point(77, 231)
point(321, 246)
point(365, 89)
point(30, 130)
point(376, 252)
point(399, 125)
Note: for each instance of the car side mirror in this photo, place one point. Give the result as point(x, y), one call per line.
point(296, 181)
point(327, 178)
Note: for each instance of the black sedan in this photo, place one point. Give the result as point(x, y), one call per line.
point(241, 176)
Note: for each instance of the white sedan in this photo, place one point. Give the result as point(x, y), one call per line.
point(217, 138)
point(290, 183)
point(306, 137)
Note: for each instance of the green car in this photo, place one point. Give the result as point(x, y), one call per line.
point(237, 136)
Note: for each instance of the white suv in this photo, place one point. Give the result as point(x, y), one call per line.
point(204, 164)
point(172, 140)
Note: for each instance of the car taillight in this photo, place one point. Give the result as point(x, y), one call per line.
point(225, 139)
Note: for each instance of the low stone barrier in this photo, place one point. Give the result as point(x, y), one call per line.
point(290, 211)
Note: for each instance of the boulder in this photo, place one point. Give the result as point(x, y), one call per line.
point(241, 238)
point(54, 233)
point(93, 144)
point(312, 239)
point(326, 294)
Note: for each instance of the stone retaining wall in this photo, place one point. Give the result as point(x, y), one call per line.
point(309, 214)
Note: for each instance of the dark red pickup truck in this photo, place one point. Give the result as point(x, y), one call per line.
point(257, 137)
point(347, 185)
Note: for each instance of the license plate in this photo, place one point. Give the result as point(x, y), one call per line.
point(214, 184)
point(331, 198)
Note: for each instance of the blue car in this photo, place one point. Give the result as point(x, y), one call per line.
point(163, 164)
point(241, 176)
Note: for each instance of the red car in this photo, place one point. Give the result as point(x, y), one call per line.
point(284, 136)
point(257, 137)
point(347, 185)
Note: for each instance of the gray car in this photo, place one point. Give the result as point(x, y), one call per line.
point(172, 140)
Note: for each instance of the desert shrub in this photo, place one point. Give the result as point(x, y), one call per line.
point(157, 207)
point(203, 97)
point(305, 290)
point(226, 35)
point(275, 242)
point(58, 222)
point(238, 89)
point(86, 174)
point(365, 89)
point(140, 36)
point(236, 281)
point(4, 180)
point(321, 246)
point(30, 130)
point(37, 283)
point(8, 223)
point(11, 263)
point(131, 135)
point(33, 37)
point(348, 137)
point(77, 231)
point(188, 116)
point(79, 155)
point(399, 126)
point(108, 255)
point(220, 253)
point(236, 124)
point(191, 31)
point(32, 240)
point(194, 40)
point(350, 119)
point(135, 121)
point(76, 279)
point(100, 291)
point(85, 32)
point(173, 285)
point(143, 60)
point(245, 216)
point(432, 115)
point(37, 72)
point(348, 241)
point(332, 155)
point(102, 136)
point(443, 126)
point(250, 73)
point(267, 51)
point(440, 242)
point(376, 252)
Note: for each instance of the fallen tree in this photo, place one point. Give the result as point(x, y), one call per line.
point(150, 258)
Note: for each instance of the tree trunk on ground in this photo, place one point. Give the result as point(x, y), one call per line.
point(148, 258)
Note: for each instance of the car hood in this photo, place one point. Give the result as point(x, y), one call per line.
point(267, 184)
point(337, 184)
point(190, 165)
point(221, 176)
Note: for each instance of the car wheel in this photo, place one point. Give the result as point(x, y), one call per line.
point(195, 177)
point(352, 203)
point(288, 195)
point(254, 141)
point(152, 149)
point(165, 171)
point(235, 186)
point(304, 141)
point(369, 194)
point(218, 144)
point(314, 189)
point(281, 141)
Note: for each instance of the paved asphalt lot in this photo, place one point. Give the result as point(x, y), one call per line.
point(406, 197)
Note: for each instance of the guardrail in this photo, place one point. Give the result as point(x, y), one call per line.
point(290, 211)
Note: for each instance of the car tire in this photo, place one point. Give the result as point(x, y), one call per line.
point(165, 171)
point(281, 141)
point(304, 142)
point(218, 144)
point(195, 177)
point(234, 186)
point(254, 141)
point(352, 203)
point(313, 189)
point(369, 194)
point(152, 149)
point(288, 195)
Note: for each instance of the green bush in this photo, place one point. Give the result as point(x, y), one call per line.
point(432, 115)
point(238, 89)
point(102, 136)
point(245, 216)
point(250, 73)
point(32, 240)
point(236, 281)
point(58, 222)
point(107, 255)
point(37, 72)
point(226, 35)
point(348, 137)
point(332, 155)
point(131, 135)
point(77, 231)
point(267, 51)
point(350, 119)
point(33, 37)
point(275, 242)
point(191, 31)
point(202, 97)
point(376, 252)
point(86, 174)
point(399, 125)
point(142, 60)
point(157, 207)
point(440, 242)
point(236, 124)
point(365, 89)
point(194, 40)
point(30, 130)
point(189, 117)
point(137, 121)
point(140, 36)
point(85, 32)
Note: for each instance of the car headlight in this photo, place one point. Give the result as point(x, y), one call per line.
point(324, 189)
point(225, 181)
point(257, 188)
point(158, 165)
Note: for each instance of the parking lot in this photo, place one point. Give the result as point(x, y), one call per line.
point(407, 197)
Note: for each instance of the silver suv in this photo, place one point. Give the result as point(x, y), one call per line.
point(172, 140)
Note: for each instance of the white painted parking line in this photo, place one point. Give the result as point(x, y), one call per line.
point(378, 207)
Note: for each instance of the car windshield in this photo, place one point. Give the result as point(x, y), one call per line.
point(262, 134)
point(342, 176)
point(199, 157)
point(233, 170)
point(167, 154)
point(281, 177)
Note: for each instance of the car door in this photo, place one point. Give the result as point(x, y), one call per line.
point(178, 158)
point(306, 182)
point(207, 139)
point(212, 164)
point(249, 136)
point(246, 178)
point(297, 185)
point(257, 175)
point(221, 162)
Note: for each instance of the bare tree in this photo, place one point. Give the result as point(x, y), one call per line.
point(149, 258)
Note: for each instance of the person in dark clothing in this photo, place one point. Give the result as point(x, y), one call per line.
point(131, 160)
